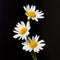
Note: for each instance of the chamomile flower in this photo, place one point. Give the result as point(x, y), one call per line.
point(33, 44)
point(21, 30)
point(32, 13)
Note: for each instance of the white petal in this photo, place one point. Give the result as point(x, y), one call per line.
point(26, 34)
point(26, 14)
point(28, 18)
point(41, 41)
point(28, 24)
point(19, 38)
point(33, 18)
point(34, 8)
point(42, 45)
point(30, 50)
point(16, 36)
point(18, 25)
point(24, 47)
point(27, 49)
point(33, 38)
point(28, 7)
point(31, 7)
point(36, 19)
point(22, 23)
point(37, 11)
point(23, 38)
point(36, 38)
point(41, 48)
point(41, 14)
point(24, 43)
point(15, 31)
point(41, 11)
point(41, 17)
point(36, 50)
point(25, 8)
point(29, 38)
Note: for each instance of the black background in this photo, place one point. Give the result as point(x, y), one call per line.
point(12, 12)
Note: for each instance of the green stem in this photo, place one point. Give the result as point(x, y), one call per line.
point(33, 55)
point(29, 20)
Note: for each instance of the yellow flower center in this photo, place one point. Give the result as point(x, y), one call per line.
point(31, 14)
point(23, 30)
point(33, 44)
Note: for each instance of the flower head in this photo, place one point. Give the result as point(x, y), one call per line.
point(33, 44)
point(32, 13)
point(21, 30)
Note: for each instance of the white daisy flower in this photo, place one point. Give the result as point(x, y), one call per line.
point(21, 30)
point(33, 44)
point(32, 13)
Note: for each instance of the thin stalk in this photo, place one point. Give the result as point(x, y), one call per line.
point(33, 55)
point(29, 20)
